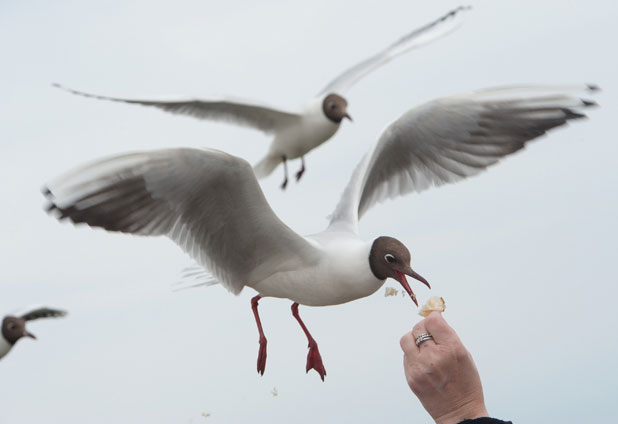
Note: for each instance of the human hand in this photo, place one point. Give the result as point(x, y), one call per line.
point(441, 372)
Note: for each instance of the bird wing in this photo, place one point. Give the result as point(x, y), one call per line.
point(206, 201)
point(36, 312)
point(449, 139)
point(263, 118)
point(416, 38)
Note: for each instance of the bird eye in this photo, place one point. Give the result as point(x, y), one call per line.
point(10, 325)
point(332, 106)
point(389, 258)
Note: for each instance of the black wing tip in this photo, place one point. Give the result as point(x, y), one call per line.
point(456, 11)
point(593, 88)
point(57, 313)
point(589, 103)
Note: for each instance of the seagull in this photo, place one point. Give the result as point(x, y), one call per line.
point(296, 134)
point(14, 326)
point(211, 205)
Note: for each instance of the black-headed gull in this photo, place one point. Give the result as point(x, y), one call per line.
point(211, 204)
point(295, 134)
point(14, 325)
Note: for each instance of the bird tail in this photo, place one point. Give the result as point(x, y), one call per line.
point(266, 166)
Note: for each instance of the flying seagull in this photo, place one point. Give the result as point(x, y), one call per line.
point(296, 134)
point(211, 204)
point(14, 326)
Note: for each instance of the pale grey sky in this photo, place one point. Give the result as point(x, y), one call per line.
point(524, 254)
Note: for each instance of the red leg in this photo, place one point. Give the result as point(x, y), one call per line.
point(261, 361)
point(314, 360)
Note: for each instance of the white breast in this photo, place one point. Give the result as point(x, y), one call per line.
point(5, 347)
point(340, 276)
point(297, 140)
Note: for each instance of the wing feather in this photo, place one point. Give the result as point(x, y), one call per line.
point(449, 139)
point(38, 312)
point(263, 118)
point(207, 201)
point(419, 37)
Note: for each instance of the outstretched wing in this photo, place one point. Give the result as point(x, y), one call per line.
point(416, 38)
point(452, 138)
point(262, 118)
point(207, 201)
point(41, 312)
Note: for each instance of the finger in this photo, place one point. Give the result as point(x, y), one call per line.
point(408, 346)
point(439, 329)
point(419, 329)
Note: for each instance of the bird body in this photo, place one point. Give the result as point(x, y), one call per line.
point(298, 137)
point(5, 346)
point(339, 275)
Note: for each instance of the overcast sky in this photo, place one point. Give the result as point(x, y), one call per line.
point(524, 254)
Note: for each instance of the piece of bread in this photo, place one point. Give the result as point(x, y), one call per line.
point(435, 303)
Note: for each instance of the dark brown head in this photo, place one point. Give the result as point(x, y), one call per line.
point(389, 258)
point(14, 328)
point(335, 108)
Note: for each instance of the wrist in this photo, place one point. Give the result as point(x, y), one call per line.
point(465, 412)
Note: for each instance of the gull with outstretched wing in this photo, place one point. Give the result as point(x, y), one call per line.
point(296, 134)
point(211, 205)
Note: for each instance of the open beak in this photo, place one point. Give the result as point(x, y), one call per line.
point(27, 334)
point(345, 115)
point(402, 279)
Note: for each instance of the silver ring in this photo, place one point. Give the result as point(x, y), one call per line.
point(423, 338)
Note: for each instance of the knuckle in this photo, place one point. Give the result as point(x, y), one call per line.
point(418, 328)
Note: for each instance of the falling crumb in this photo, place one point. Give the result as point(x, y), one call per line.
point(435, 303)
point(389, 291)
point(205, 414)
point(274, 391)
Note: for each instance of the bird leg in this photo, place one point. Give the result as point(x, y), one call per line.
point(301, 171)
point(261, 361)
point(285, 171)
point(314, 360)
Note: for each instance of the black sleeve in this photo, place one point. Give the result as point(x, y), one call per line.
point(485, 420)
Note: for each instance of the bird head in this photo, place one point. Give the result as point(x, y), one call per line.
point(14, 328)
point(335, 108)
point(389, 258)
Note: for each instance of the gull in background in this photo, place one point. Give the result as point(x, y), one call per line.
point(296, 134)
point(211, 205)
point(14, 325)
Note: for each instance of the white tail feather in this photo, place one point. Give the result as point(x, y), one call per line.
point(266, 166)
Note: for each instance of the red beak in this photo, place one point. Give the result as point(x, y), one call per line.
point(402, 279)
point(27, 334)
point(345, 115)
